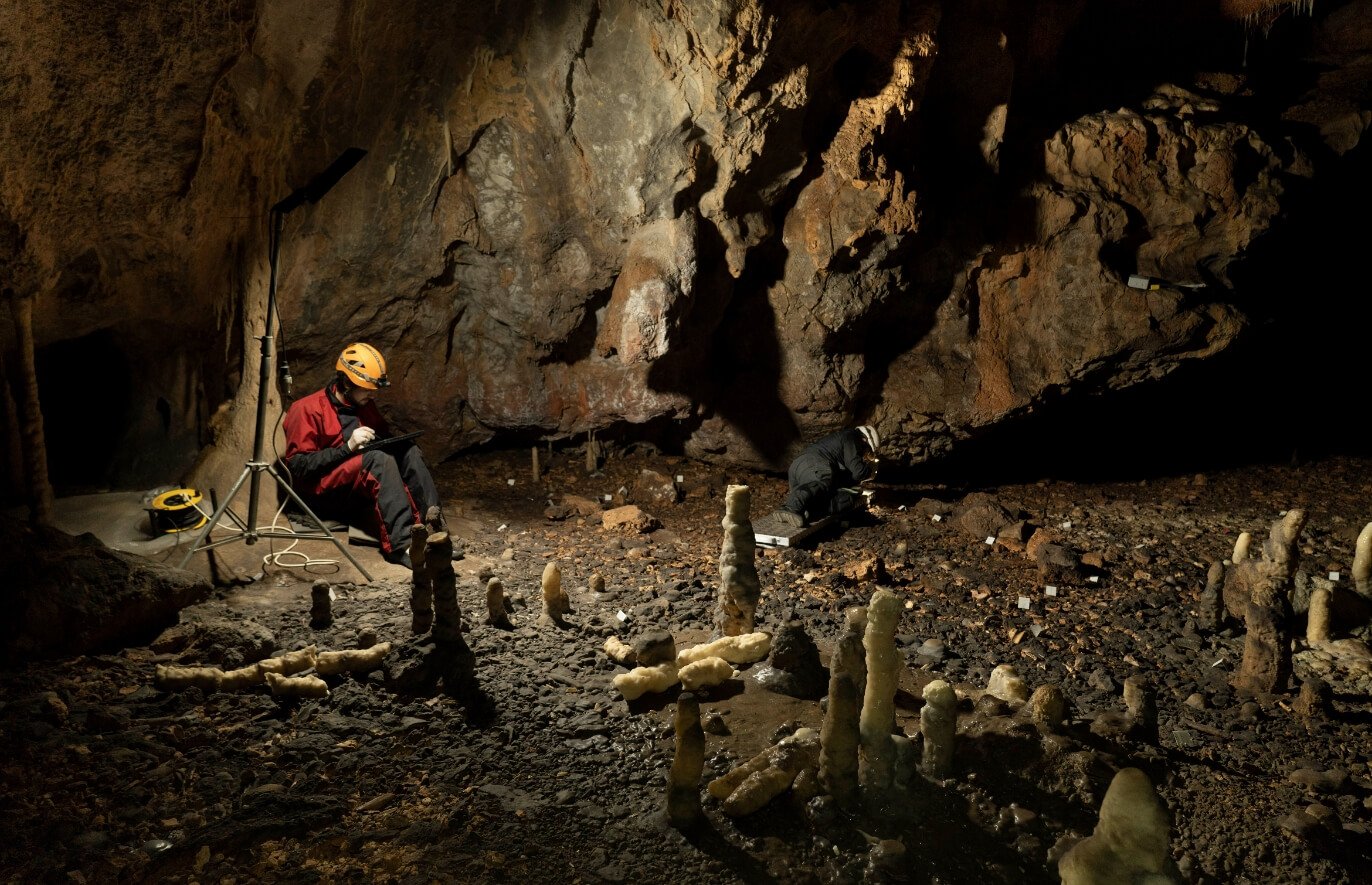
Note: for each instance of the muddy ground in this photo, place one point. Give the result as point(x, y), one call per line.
point(552, 777)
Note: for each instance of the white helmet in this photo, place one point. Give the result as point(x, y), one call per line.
point(869, 433)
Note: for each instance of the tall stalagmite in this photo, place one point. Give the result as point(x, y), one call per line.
point(876, 765)
point(683, 784)
point(838, 751)
point(739, 588)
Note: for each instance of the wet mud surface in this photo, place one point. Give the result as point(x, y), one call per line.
point(550, 776)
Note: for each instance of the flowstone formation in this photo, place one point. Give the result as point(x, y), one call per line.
point(739, 588)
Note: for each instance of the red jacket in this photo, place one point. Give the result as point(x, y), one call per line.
point(317, 429)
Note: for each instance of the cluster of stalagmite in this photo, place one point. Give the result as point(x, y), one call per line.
point(1258, 590)
point(768, 774)
point(272, 671)
point(739, 588)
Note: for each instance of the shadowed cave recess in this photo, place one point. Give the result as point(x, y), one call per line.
point(1090, 268)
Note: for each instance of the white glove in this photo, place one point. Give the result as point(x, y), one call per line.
point(361, 436)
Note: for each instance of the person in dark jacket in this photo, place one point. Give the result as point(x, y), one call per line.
point(384, 491)
point(823, 478)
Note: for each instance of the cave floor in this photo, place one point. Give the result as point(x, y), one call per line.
point(553, 777)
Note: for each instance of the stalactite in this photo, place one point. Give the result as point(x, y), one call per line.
point(41, 503)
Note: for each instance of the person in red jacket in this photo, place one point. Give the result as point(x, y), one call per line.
point(384, 490)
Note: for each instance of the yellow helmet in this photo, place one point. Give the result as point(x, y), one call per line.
point(364, 366)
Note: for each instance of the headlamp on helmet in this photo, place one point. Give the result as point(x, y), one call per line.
point(363, 366)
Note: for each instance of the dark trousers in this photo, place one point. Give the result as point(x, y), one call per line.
point(814, 491)
point(377, 490)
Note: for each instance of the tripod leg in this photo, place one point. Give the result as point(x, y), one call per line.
point(316, 520)
point(214, 520)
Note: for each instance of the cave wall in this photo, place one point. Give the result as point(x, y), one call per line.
point(733, 224)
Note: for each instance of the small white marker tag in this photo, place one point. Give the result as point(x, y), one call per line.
point(1065, 525)
point(1217, 663)
point(1094, 579)
point(680, 478)
point(332, 595)
point(607, 498)
point(901, 508)
point(1050, 590)
point(1024, 602)
point(937, 518)
point(502, 528)
point(509, 482)
point(990, 539)
point(622, 616)
point(1333, 576)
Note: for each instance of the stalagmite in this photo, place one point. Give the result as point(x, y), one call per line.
point(653, 647)
point(621, 652)
point(358, 660)
point(744, 649)
point(290, 662)
point(496, 615)
point(321, 605)
point(1141, 708)
point(1130, 843)
point(1362, 562)
point(838, 753)
point(438, 567)
point(1259, 590)
point(739, 588)
point(297, 686)
point(534, 469)
point(1047, 707)
point(1241, 548)
point(938, 722)
point(705, 673)
point(207, 679)
point(1317, 617)
point(556, 605)
point(1006, 685)
point(1210, 607)
point(642, 680)
point(767, 775)
point(243, 677)
point(1266, 664)
point(876, 762)
point(683, 782)
point(422, 588)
